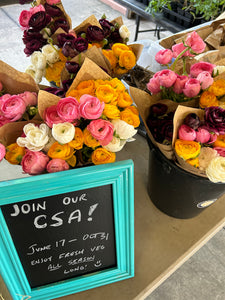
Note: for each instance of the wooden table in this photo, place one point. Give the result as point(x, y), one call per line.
point(162, 243)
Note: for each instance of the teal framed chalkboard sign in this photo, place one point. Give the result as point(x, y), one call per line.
point(66, 232)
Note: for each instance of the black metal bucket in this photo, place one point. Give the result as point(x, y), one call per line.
point(176, 192)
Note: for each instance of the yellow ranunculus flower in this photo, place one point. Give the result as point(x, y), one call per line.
point(75, 94)
point(86, 87)
point(120, 71)
point(187, 149)
point(117, 85)
point(127, 60)
point(111, 111)
point(78, 141)
point(218, 87)
point(208, 99)
point(14, 154)
point(107, 94)
point(124, 100)
point(110, 56)
point(102, 156)
point(60, 151)
point(53, 73)
point(130, 117)
point(89, 140)
point(117, 48)
point(72, 161)
point(193, 162)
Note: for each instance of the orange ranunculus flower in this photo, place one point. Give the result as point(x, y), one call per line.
point(98, 45)
point(220, 141)
point(187, 149)
point(72, 161)
point(119, 71)
point(60, 151)
point(86, 87)
point(130, 117)
point(127, 60)
point(14, 154)
point(107, 94)
point(102, 156)
point(61, 56)
point(110, 56)
point(78, 141)
point(53, 73)
point(218, 87)
point(193, 162)
point(208, 99)
point(117, 85)
point(111, 111)
point(99, 82)
point(89, 140)
point(117, 48)
point(133, 109)
point(75, 94)
point(124, 100)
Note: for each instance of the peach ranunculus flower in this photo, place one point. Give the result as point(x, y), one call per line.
point(89, 140)
point(102, 156)
point(187, 149)
point(60, 151)
point(14, 154)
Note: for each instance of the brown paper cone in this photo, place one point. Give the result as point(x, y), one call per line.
point(46, 99)
point(87, 22)
point(16, 82)
point(216, 37)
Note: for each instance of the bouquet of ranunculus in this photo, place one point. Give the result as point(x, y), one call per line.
point(180, 84)
point(199, 141)
point(18, 95)
point(88, 126)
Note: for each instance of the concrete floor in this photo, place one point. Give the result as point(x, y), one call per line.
point(202, 277)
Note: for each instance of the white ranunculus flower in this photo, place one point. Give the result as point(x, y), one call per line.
point(36, 137)
point(216, 169)
point(218, 69)
point(46, 33)
point(51, 53)
point(124, 32)
point(30, 70)
point(205, 156)
point(115, 145)
point(38, 60)
point(39, 74)
point(63, 132)
point(123, 130)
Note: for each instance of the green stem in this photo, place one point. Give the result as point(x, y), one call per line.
point(177, 58)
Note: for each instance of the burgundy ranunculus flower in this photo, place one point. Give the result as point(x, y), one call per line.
point(106, 26)
point(68, 50)
point(80, 44)
point(56, 91)
point(158, 109)
point(215, 119)
point(66, 84)
point(115, 37)
point(95, 33)
point(53, 10)
point(39, 20)
point(33, 45)
point(25, 1)
point(64, 37)
point(61, 23)
point(72, 67)
point(192, 120)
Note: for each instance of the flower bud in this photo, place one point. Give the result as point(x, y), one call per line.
point(186, 133)
point(192, 120)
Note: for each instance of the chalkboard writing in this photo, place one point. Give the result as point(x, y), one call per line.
point(63, 236)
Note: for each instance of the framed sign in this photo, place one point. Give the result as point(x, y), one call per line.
point(66, 232)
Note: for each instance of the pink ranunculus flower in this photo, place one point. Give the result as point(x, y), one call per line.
point(34, 162)
point(201, 66)
point(205, 79)
point(52, 2)
point(68, 109)
point(164, 56)
point(167, 78)
point(179, 84)
point(192, 88)
point(13, 108)
point(220, 151)
point(195, 42)
point(90, 107)
point(202, 135)
point(178, 48)
point(51, 116)
point(30, 98)
point(186, 133)
point(4, 120)
point(4, 98)
point(25, 15)
point(101, 130)
point(153, 85)
point(2, 151)
point(57, 165)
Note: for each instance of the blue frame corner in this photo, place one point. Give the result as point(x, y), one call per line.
point(121, 176)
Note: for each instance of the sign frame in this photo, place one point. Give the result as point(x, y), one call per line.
point(121, 176)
